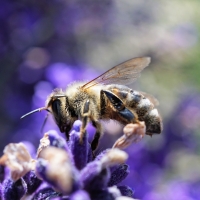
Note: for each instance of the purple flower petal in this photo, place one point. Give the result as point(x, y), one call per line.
point(94, 177)
point(41, 167)
point(63, 198)
point(45, 193)
point(42, 170)
point(14, 190)
point(55, 168)
point(79, 195)
point(77, 125)
point(60, 198)
point(57, 141)
point(126, 191)
point(118, 174)
point(32, 181)
point(100, 156)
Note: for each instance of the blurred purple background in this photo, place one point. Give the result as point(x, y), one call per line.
point(47, 44)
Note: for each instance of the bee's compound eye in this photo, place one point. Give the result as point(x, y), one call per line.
point(56, 106)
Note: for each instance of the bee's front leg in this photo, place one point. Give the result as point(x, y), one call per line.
point(67, 130)
point(85, 118)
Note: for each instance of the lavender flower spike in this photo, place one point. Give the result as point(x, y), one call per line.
point(113, 157)
point(118, 174)
point(32, 181)
point(14, 190)
point(96, 175)
point(57, 141)
point(79, 195)
point(45, 193)
point(54, 167)
point(52, 138)
point(18, 159)
point(80, 150)
point(125, 190)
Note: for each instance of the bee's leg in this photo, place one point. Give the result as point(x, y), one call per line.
point(67, 130)
point(97, 135)
point(85, 118)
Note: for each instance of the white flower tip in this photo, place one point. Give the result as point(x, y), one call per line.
point(59, 169)
point(17, 159)
point(114, 156)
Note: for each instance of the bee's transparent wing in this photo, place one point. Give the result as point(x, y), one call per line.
point(124, 73)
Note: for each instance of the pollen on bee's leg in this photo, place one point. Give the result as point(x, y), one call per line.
point(85, 119)
point(132, 133)
point(81, 137)
point(83, 128)
point(82, 131)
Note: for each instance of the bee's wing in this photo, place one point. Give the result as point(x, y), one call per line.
point(124, 73)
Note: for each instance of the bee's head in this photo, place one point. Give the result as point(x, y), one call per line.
point(56, 95)
point(57, 104)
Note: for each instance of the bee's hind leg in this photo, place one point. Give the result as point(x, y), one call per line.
point(97, 135)
point(85, 119)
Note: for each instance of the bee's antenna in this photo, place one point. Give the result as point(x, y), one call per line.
point(36, 110)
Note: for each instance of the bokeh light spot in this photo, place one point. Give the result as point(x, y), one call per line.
point(42, 90)
point(36, 58)
point(60, 74)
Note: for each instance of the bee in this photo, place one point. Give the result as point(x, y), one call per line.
point(103, 98)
